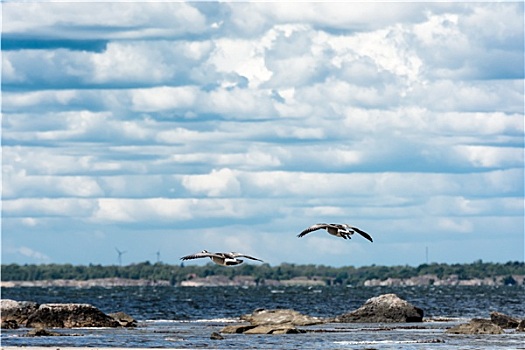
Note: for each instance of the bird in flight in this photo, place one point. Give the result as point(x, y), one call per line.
point(224, 259)
point(339, 230)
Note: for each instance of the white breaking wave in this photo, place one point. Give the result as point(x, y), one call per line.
point(371, 342)
point(215, 320)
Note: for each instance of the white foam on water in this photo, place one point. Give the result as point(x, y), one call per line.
point(372, 342)
point(213, 320)
point(210, 320)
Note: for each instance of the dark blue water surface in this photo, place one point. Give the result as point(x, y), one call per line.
point(184, 317)
point(197, 303)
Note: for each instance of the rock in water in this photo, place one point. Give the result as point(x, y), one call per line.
point(41, 332)
point(16, 311)
point(503, 320)
point(521, 326)
point(236, 328)
point(124, 319)
point(383, 308)
point(281, 321)
point(286, 328)
point(216, 336)
point(69, 316)
point(9, 324)
point(280, 316)
point(476, 326)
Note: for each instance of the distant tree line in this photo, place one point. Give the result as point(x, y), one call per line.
point(334, 275)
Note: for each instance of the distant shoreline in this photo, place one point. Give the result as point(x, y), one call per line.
point(72, 348)
point(160, 274)
point(250, 281)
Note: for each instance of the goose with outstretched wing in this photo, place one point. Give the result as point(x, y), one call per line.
point(224, 259)
point(339, 230)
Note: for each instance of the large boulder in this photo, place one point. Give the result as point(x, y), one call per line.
point(383, 308)
point(503, 320)
point(476, 326)
point(13, 311)
point(280, 316)
point(69, 316)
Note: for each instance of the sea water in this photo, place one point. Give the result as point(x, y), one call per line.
point(185, 317)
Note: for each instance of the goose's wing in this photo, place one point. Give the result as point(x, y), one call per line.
point(362, 233)
point(312, 228)
point(239, 255)
point(200, 255)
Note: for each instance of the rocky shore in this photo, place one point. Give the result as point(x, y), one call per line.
point(250, 281)
point(452, 280)
point(99, 282)
point(386, 308)
point(209, 281)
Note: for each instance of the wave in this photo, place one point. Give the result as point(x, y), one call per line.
point(376, 342)
point(446, 319)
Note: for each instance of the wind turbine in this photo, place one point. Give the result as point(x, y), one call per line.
point(158, 256)
point(120, 255)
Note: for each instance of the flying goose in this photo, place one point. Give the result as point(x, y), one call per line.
point(224, 259)
point(339, 230)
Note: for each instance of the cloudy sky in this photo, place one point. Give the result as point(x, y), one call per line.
point(175, 127)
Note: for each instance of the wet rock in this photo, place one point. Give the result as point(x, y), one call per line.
point(16, 311)
point(286, 328)
point(124, 319)
point(41, 332)
point(68, 316)
point(430, 341)
point(216, 336)
point(9, 324)
point(282, 321)
point(521, 326)
point(236, 329)
point(503, 320)
point(280, 316)
point(476, 326)
point(383, 308)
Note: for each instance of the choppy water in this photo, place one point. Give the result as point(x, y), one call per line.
point(184, 317)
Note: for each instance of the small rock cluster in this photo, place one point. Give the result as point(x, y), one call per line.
point(273, 322)
point(387, 308)
point(495, 325)
point(384, 308)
